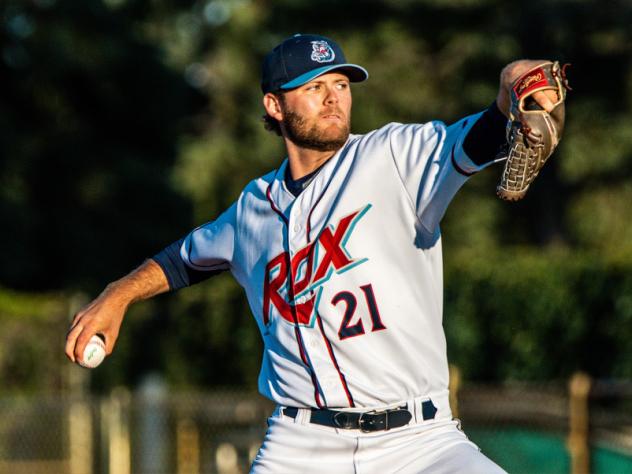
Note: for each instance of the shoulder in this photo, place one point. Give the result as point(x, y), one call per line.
point(396, 130)
point(397, 138)
point(258, 187)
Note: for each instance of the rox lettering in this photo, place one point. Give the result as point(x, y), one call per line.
point(309, 271)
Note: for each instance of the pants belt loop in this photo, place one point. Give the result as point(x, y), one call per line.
point(304, 415)
point(423, 409)
point(419, 410)
point(411, 406)
point(288, 412)
point(414, 406)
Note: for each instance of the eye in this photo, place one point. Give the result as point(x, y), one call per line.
point(342, 85)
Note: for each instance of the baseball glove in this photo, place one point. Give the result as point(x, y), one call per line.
point(532, 133)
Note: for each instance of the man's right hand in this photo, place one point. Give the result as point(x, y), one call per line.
point(105, 314)
point(102, 316)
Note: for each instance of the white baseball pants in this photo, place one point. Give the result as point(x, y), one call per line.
point(294, 445)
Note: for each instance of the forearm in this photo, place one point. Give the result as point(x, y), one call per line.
point(105, 314)
point(144, 282)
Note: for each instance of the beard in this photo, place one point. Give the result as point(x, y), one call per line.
point(313, 138)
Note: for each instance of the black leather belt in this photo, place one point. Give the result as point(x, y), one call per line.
point(367, 421)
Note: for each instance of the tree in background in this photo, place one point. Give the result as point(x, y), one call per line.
point(125, 123)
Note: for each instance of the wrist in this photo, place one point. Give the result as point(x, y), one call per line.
point(146, 281)
point(502, 102)
point(118, 294)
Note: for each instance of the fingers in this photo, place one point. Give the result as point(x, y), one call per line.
point(109, 339)
point(71, 339)
point(82, 340)
point(546, 99)
point(509, 74)
point(81, 330)
point(98, 317)
point(76, 328)
point(77, 339)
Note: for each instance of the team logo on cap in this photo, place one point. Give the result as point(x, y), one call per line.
point(322, 52)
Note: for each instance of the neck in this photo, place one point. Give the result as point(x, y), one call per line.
point(303, 161)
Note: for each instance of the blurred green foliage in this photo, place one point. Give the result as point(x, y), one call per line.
point(31, 340)
point(124, 123)
point(523, 315)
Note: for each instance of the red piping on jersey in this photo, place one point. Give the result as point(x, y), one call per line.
point(343, 380)
point(308, 229)
point(297, 332)
point(273, 206)
point(320, 324)
point(291, 296)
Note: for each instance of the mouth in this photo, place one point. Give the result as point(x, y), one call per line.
point(332, 117)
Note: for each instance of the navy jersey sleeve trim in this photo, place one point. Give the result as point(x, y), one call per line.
point(178, 274)
point(486, 140)
point(457, 167)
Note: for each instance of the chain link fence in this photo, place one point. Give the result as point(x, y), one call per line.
point(526, 428)
point(150, 432)
point(578, 427)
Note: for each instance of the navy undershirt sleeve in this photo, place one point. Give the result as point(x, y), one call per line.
point(178, 274)
point(487, 140)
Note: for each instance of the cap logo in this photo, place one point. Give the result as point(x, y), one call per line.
point(322, 52)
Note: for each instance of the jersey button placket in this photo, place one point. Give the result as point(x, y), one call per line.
point(296, 231)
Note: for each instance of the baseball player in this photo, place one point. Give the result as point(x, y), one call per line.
point(339, 253)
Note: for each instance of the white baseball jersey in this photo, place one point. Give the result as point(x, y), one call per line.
point(345, 280)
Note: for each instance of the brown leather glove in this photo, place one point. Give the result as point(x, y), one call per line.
point(532, 133)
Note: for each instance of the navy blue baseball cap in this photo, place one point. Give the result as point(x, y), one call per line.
point(301, 58)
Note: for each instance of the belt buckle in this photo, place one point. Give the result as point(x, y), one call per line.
point(342, 420)
point(367, 425)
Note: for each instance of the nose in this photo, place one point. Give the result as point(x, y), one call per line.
point(332, 96)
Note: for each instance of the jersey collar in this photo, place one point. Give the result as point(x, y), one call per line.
point(283, 198)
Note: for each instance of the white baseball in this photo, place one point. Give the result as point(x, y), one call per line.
point(94, 353)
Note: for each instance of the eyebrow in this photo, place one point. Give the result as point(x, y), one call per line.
point(317, 81)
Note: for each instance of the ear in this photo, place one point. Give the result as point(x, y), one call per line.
point(273, 106)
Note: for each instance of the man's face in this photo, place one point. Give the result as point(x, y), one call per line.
point(317, 115)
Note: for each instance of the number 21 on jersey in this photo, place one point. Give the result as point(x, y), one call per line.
point(347, 327)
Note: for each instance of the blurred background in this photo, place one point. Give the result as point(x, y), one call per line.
point(125, 123)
